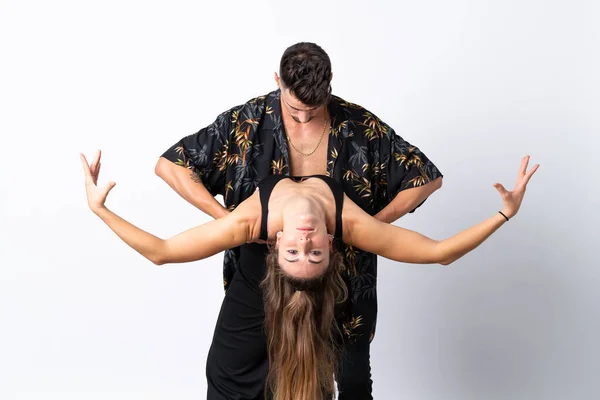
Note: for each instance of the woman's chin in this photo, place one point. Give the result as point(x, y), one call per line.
point(307, 219)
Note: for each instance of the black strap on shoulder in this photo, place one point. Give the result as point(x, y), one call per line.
point(338, 195)
point(265, 187)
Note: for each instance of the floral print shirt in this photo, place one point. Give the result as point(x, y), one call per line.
point(247, 143)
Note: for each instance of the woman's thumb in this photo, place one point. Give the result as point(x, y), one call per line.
point(109, 187)
point(500, 188)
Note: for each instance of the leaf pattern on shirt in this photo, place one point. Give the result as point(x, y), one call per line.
point(351, 325)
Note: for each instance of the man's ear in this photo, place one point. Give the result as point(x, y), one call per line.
point(277, 80)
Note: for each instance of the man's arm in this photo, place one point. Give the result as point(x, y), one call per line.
point(407, 200)
point(409, 177)
point(188, 186)
point(195, 166)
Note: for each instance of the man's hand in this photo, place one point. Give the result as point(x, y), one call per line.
point(221, 212)
point(182, 181)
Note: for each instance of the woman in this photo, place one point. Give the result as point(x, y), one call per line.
point(305, 218)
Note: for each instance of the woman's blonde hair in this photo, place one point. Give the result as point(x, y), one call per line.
point(302, 334)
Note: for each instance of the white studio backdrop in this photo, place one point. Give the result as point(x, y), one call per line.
point(476, 85)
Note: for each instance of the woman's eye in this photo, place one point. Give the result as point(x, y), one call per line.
point(315, 253)
point(292, 251)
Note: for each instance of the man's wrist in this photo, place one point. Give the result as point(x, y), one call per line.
point(389, 215)
point(222, 212)
point(217, 210)
point(211, 207)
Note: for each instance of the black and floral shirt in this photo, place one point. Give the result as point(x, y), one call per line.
point(247, 143)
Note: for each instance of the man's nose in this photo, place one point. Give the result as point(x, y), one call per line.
point(304, 117)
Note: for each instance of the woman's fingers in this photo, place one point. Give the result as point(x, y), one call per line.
point(108, 188)
point(523, 168)
point(97, 163)
point(91, 171)
point(530, 173)
point(86, 167)
point(501, 189)
point(96, 196)
point(94, 163)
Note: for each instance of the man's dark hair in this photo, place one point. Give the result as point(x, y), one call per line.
point(305, 70)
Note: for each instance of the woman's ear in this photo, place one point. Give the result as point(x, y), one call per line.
point(278, 237)
point(330, 241)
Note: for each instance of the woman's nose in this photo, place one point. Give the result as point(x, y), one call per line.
point(304, 240)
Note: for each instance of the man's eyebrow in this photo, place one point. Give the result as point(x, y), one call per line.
point(297, 109)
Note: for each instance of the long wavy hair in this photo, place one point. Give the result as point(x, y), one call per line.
point(303, 337)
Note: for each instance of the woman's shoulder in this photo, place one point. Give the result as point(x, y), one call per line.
point(248, 213)
point(351, 212)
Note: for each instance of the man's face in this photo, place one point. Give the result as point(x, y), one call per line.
point(300, 112)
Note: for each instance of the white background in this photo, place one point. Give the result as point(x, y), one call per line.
point(475, 84)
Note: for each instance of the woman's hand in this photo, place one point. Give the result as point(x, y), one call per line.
point(512, 200)
point(96, 196)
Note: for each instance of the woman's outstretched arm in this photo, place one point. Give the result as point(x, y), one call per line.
point(197, 243)
point(365, 232)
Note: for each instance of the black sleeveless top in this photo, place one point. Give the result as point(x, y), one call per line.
point(265, 187)
point(237, 363)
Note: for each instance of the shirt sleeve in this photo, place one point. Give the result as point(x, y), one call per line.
point(205, 153)
point(404, 167)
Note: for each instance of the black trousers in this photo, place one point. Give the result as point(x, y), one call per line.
point(237, 363)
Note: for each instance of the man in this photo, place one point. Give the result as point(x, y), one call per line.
point(300, 129)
